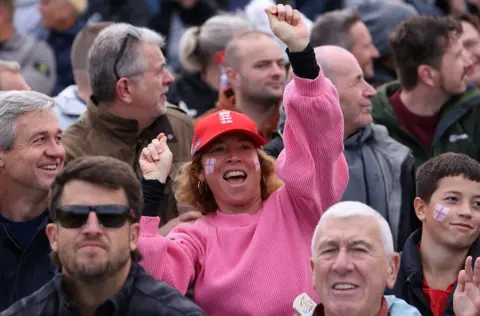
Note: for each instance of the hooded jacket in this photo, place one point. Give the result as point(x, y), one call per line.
point(458, 129)
point(69, 107)
point(409, 285)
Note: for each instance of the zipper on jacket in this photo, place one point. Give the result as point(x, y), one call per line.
point(12, 239)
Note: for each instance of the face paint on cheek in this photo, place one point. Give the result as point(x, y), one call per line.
point(440, 213)
point(210, 165)
point(256, 162)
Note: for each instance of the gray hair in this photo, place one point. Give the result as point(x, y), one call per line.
point(104, 51)
point(348, 209)
point(12, 105)
point(333, 28)
point(199, 45)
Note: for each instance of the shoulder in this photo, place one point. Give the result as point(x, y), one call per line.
point(178, 117)
point(159, 298)
point(398, 307)
point(35, 304)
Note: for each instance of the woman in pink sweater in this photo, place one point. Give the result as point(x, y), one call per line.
point(249, 254)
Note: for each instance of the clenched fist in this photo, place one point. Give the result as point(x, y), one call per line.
point(287, 24)
point(156, 159)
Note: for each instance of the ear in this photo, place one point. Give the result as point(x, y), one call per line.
point(134, 234)
point(233, 77)
point(420, 208)
point(124, 88)
point(312, 267)
point(2, 159)
point(428, 75)
point(52, 235)
point(393, 266)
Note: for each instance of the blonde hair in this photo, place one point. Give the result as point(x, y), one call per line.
point(190, 191)
point(199, 45)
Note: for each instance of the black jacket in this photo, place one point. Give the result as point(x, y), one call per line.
point(409, 285)
point(141, 295)
point(23, 270)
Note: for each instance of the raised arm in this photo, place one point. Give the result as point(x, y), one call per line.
point(312, 164)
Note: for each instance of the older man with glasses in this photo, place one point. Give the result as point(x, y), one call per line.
point(129, 81)
point(95, 206)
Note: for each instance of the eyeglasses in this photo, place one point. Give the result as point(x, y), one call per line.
point(131, 33)
point(109, 216)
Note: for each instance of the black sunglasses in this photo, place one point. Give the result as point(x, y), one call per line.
point(109, 216)
point(131, 33)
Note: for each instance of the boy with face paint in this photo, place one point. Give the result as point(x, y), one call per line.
point(448, 205)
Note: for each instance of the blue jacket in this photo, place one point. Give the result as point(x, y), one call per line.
point(23, 270)
point(396, 307)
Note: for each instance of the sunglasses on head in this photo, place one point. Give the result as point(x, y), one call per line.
point(109, 216)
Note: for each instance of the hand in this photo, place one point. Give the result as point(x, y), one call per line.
point(287, 24)
point(466, 299)
point(190, 216)
point(156, 159)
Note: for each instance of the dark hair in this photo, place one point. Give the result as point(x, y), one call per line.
point(104, 171)
point(333, 28)
point(421, 40)
point(442, 166)
point(469, 18)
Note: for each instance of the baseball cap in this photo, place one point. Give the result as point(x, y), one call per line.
point(221, 123)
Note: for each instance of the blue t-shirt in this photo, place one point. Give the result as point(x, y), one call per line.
point(23, 232)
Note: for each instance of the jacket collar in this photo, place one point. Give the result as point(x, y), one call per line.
point(319, 310)
point(411, 261)
point(127, 129)
point(118, 302)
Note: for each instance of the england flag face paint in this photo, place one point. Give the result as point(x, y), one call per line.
point(210, 165)
point(256, 162)
point(440, 213)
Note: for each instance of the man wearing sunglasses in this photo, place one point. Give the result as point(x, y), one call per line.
point(129, 79)
point(95, 205)
point(31, 155)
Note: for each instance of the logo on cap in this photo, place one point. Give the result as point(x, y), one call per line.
point(225, 117)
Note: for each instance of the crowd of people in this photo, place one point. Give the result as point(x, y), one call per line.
point(298, 158)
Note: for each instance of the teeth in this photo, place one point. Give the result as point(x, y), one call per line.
point(343, 286)
point(234, 174)
point(49, 167)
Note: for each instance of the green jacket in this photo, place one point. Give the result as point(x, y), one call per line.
point(457, 131)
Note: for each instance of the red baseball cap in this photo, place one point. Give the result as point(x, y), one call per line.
point(223, 122)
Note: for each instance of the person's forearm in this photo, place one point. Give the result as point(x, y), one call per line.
point(304, 64)
point(153, 195)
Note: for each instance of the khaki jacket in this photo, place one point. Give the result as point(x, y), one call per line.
point(98, 132)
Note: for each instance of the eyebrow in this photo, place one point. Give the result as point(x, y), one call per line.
point(360, 243)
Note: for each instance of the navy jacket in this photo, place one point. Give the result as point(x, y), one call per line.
point(140, 295)
point(23, 270)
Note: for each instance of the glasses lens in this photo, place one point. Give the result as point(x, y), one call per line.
point(109, 216)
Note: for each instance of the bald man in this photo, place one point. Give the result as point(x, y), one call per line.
point(256, 74)
point(381, 169)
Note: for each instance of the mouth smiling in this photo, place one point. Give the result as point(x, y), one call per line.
point(344, 287)
point(235, 177)
point(50, 167)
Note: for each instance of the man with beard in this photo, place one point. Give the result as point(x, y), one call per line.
point(95, 205)
point(430, 110)
point(256, 75)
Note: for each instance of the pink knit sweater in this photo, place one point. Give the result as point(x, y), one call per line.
point(251, 265)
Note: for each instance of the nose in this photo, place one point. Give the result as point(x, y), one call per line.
point(369, 91)
point(168, 78)
point(467, 59)
point(55, 149)
point(233, 156)
point(375, 53)
point(465, 211)
point(92, 227)
point(342, 264)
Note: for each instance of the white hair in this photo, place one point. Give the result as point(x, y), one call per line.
point(348, 209)
point(12, 105)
